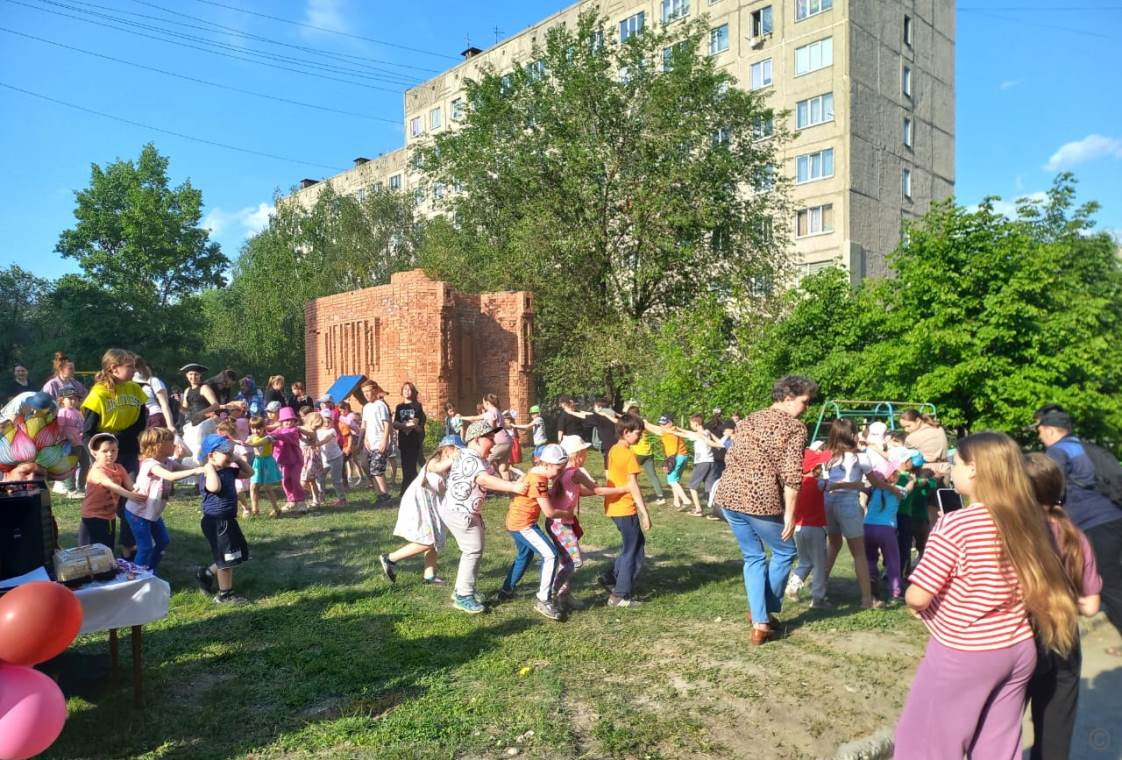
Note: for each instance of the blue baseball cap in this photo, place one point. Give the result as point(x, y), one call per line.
point(451, 440)
point(213, 443)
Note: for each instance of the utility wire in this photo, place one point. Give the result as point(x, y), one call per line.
point(197, 80)
point(207, 50)
point(234, 30)
point(1053, 27)
point(388, 77)
point(325, 29)
point(202, 140)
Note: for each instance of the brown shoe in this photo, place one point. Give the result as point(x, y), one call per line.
point(760, 636)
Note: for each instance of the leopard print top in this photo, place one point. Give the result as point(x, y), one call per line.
point(766, 455)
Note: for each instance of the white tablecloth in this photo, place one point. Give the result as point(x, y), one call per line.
point(121, 603)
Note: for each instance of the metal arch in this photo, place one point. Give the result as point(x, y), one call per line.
point(856, 408)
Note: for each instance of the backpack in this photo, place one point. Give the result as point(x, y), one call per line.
point(1108, 472)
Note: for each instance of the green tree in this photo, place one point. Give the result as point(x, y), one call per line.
point(21, 296)
point(618, 182)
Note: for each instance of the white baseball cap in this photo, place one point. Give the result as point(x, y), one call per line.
point(553, 454)
point(571, 444)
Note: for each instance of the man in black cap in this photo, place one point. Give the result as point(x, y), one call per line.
point(1091, 511)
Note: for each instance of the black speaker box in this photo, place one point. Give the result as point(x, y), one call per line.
point(26, 528)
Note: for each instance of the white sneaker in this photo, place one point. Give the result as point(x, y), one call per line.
point(76, 494)
point(794, 584)
point(59, 487)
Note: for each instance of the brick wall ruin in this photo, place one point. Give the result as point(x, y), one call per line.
point(452, 346)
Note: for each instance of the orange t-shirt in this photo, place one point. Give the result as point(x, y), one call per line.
point(100, 502)
point(673, 445)
point(525, 510)
point(622, 464)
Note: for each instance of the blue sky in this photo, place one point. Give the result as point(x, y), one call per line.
point(1033, 97)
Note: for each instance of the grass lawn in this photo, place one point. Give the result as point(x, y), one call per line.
point(331, 660)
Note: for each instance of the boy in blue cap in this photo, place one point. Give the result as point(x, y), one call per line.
point(221, 470)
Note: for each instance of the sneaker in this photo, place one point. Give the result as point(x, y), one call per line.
point(205, 579)
point(76, 495)
point(660, 501)
point(388, 567)
point(820, 604)
point(228, 597)
point(59, 487)
point(547, 609)
point(621, 601)
point(468, 604)
point(794, 584)
point(476, 596)
point(382, 500)
point(435, 580)
point(503, 595)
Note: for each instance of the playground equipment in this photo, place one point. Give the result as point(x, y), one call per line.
point(887, 411)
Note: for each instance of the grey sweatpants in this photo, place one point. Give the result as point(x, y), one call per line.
point(338, 481)
point(810, 540)
point(467, 529)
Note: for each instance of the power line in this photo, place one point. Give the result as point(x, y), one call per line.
point(234, 30)
point(206, 50)
point(325, 29)
point(197, 80)
point(388, 77)
point(1028, 22)
point(173, 133)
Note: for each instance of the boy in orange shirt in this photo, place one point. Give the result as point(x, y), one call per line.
point(627, 511)
point(530, 539)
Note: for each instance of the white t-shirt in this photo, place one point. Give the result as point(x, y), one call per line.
point(851, 468)
point(151, 386)
point(463, 493)
point(376, 420)
point(538, 431)
point(702, 451)
point(328, 444)
point(155, 488)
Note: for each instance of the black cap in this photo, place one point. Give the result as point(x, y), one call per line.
point(193, 367)
point(1055, 419)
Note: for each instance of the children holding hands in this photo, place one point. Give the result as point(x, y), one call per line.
point(107, 482)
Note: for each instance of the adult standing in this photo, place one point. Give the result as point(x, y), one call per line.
point(251, 397)
point(409, 422)
point(570, 421)
point(298, 398)
point(223, 385)
point(1091, 511)
point(926, 435)
point(116, 405)
point(17, 385)
point(757, 493)
point(275, 391)
point(377, 436)
point(63, 377)
point(603, 421)
point(200, 406)
point(158, 403)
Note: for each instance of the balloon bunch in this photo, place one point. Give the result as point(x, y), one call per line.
point(37, 622)
point(30, 432)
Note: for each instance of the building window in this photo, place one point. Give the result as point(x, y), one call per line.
point(360, 194)
point(906, 182)
point(536, 70)
point(457, 109)
point(418, 196)
point(814, 267)
point(906, 81)
point(395, 182)
point(416, 129)
point(907, 132)
point(816, 220)
point(438, 191)
point(668, 54)
point(379, 187)
point(435, 118)
point(814, 166)
point(721, 136)
point(761, 74)
point(719, 39)
point(908, 31)
point(761, 22)
point(631, 26)
point(672, 10)
point(808, 8)
point(814, 111)
point(816, 55)
point(763, 126)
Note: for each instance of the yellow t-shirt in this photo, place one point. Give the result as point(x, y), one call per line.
point(642, 447)
point(672, 445)
point(622, 464)
point(119, 408)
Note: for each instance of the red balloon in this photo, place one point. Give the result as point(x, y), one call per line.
point(37, 622)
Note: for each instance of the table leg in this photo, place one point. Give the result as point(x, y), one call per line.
point(113, 649)
point(137, 667)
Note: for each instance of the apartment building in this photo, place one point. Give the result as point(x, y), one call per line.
point(868, 84)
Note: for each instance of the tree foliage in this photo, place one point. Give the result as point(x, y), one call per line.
point(21, 297)
point(618, 182)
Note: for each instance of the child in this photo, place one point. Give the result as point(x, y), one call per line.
point(286, 439)
point(157, 472)
point(515, 441)
point(912, 523)
point(331, 455)
point(880, 524)
point(565, 529)
point(70, 421)
point(107, 482)
point(810, 532)
point(704, 472)
point(311, 469)
point(627, 511)
point(266, 473)
point(644, 454)
point(228, 429)
point(989, 576)
point(1054, 687)
point(461, 509)
point(536, 426)
point(530, 539)
point(676, 459)
point(845, 517)
point(228, 546)
point(418, 521)
point(241, 423)
point(350, 426)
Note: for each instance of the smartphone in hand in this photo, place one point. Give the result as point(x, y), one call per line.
point(948, 500)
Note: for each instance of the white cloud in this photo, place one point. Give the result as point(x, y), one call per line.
point(1009, 208)
point(1009, 84)
point(326, 14)
point(247, 221)
point(1089, 148)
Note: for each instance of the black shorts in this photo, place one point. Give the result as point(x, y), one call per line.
point(227, 543)
point(95, 530)
point(705, 474)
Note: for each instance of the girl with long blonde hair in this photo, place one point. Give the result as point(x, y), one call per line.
point(990, 575)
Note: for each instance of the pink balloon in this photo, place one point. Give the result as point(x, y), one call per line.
point(32, 711)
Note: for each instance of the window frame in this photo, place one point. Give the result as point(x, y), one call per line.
point(756, 19)
point(808, 47)
point(456, 110)
point(438, 113)
point(906, 182)
point(909, 30)
point(810, 158)
point(809, 214)
point(823, 6)
point(395, 182)
point(906, 81)
point(821, 109)
point(909, 132)
point(751, 74)
point(641, 15)
point(715, 35)
point(668, 7)
point(416, 126)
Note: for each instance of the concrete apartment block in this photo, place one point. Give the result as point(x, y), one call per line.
point(867, 87)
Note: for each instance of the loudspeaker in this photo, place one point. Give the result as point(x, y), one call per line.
point(27, 535)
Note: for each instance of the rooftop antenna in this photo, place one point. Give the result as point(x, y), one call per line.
point(498, 32)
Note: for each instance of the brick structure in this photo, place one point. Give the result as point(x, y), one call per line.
point(452, 346)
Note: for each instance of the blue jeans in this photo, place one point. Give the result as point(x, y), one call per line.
point(631, 555)
point(764, 582)
point(151, 540)
point(529, 542)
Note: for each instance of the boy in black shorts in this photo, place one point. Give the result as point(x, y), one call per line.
point(228, 547)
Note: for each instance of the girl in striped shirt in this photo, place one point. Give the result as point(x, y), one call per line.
point(988, 570)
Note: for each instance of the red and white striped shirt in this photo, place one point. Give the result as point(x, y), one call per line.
point(977, 604)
